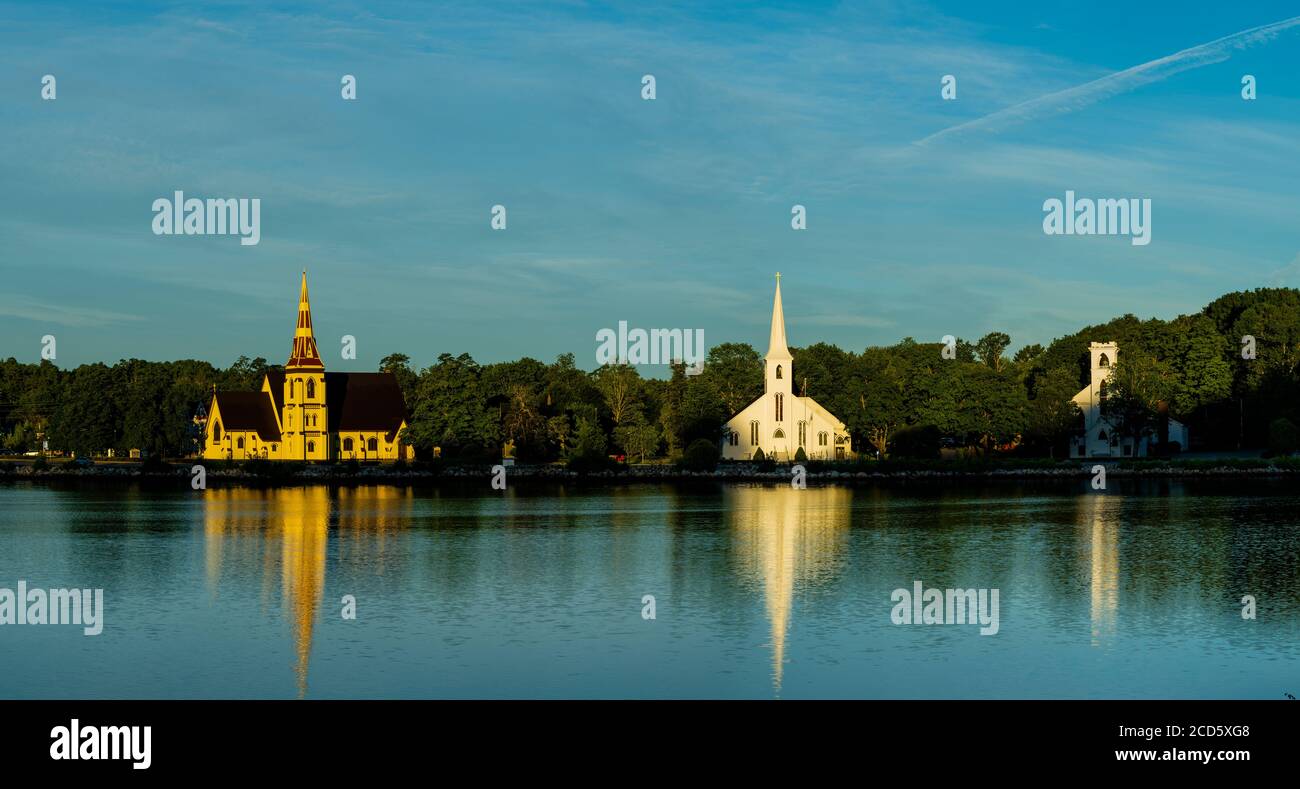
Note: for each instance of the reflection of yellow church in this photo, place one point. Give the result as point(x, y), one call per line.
point(288, 530)
point(305, 413)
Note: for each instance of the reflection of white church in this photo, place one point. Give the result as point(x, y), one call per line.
point(1099, 438)
point(780, 422)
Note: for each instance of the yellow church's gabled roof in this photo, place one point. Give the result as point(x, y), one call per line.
point(246, 411)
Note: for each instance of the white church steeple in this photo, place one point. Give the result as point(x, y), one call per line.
point(777, 363)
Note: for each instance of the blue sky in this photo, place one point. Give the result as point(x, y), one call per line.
point(670, 213)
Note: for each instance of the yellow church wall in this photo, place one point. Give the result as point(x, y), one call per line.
point(356, 445)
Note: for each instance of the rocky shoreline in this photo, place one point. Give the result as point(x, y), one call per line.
point(298, 474)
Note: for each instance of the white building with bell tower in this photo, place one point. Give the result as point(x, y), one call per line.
point(1100, 439)
point(780, 421)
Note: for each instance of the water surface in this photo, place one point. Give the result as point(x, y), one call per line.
point(759, 591)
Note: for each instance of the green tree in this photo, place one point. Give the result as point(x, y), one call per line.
point(620, 386)
point(451, 410)
point(639, 438)
point(1052, 414)
point(589, 445)
point(989, 348)
point(1132, 396)
point(399, 364)
point(735, 371)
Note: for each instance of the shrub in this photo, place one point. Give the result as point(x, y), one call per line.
point(759, 456)
point(919, 442)
point(701, 455)
point(800, 456)
point(1283, 436)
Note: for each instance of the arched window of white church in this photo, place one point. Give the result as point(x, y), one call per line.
point(780, 406)
point(803, 433)
point(778, 371)
point(779, 433)
point(1104, 361)
point(311, 388)
point(821, 439)
point(1101, 436)
point(733, 438)
point(753, 433)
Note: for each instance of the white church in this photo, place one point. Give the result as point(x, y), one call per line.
point(1099, 438)
point(779, 422)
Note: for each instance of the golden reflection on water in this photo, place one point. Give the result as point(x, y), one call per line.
point(290, 529)
point(1099, 523)
point(787, 540)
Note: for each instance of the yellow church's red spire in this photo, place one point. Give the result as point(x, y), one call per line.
point(304, 342)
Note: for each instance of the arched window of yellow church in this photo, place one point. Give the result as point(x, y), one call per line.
point(311, 388)
point(240, 443)
point(311, 446)
point(216, 432)
point(372, 444)
point(347, 445)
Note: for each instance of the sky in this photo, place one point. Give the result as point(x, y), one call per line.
point(924, 215)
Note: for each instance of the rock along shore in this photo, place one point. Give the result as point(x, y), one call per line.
point(433, 474)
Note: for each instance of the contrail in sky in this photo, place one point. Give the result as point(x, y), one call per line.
point(1080, 96)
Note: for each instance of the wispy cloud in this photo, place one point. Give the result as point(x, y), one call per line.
point(15, 306)
point(1080, 96)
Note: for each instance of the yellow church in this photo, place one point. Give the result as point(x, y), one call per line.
point(305, 413)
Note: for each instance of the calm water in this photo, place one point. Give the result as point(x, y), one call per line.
point(760, 591)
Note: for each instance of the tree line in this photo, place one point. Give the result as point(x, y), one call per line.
point(1228, 371)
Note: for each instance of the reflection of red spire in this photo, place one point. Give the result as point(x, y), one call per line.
point(304, 342)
